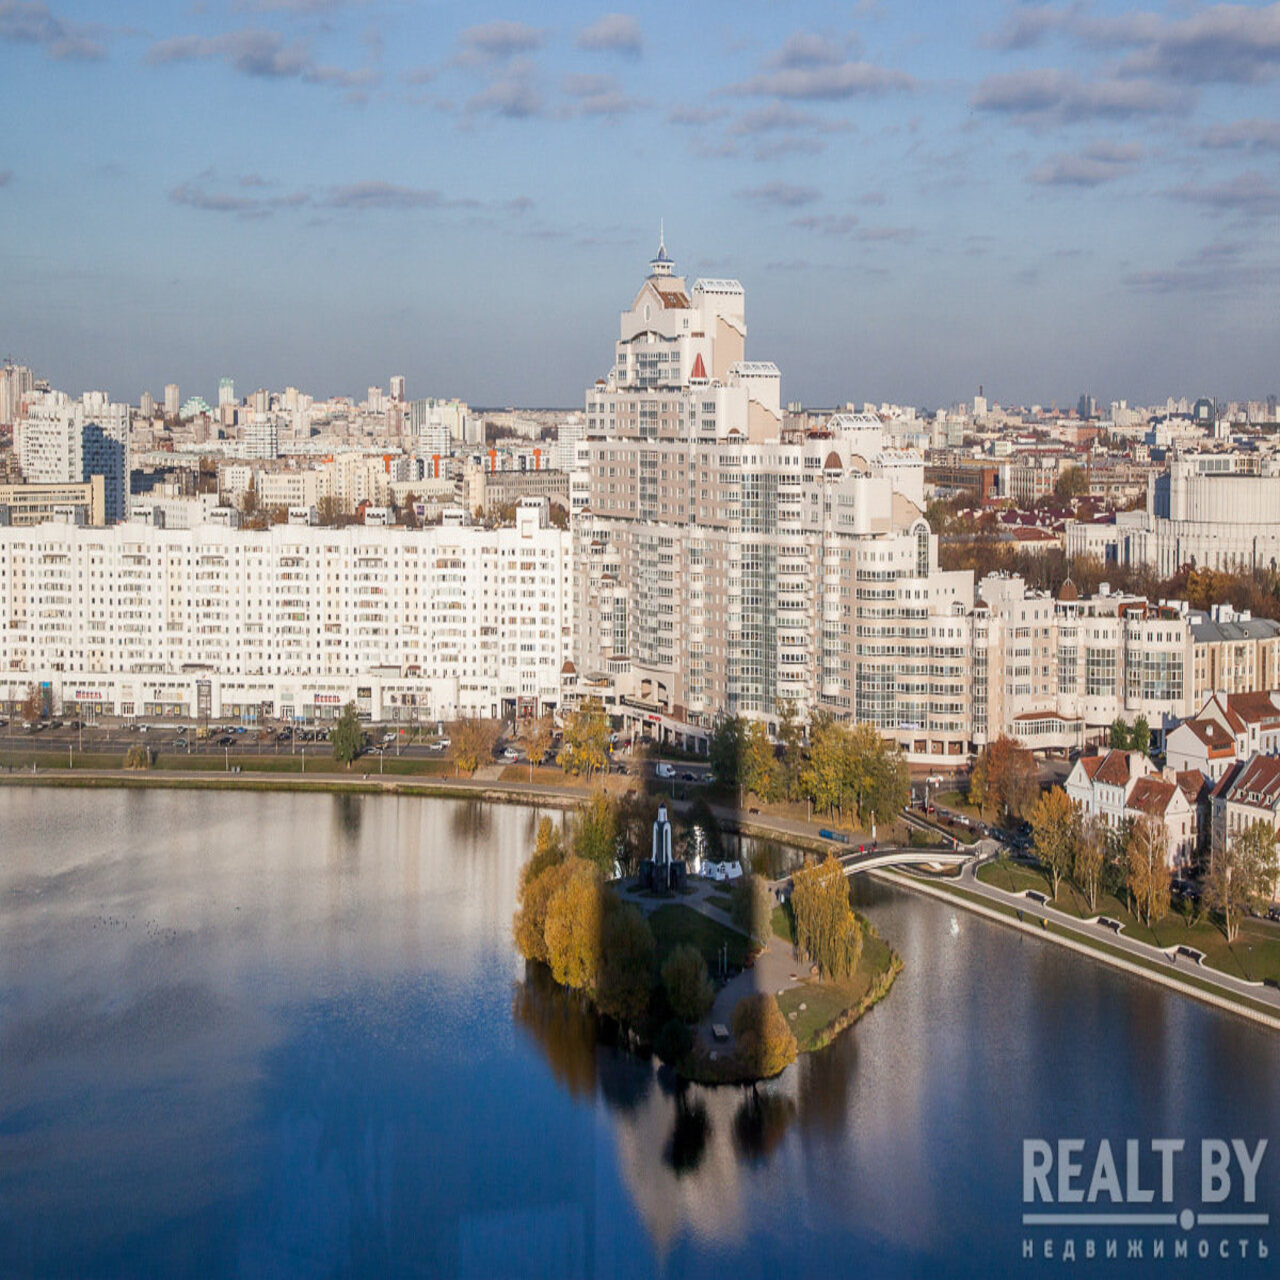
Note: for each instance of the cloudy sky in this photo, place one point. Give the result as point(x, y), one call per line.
point(1045, 199)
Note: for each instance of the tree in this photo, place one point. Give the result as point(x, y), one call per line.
point(32, 704)
point(572, 930)
point(595, 833)
point(762, 1040)
point(685, 980)
point(626, 968)
point(635, 817)
point(347, 738)
point(1054, 820)
point(1073, 482)
point(586, 739)
point(1140, 736)
point(1120, 739)
point(759, 764)
point(137, 757)
point(702, 836)
point(791, 741)
point(537, 884)
point(752, 909)
point(823, 776)
point(889, 786)
point(827, 931)
point(1003, 782)
point(539, 737)
point(1091, 847)
point(1242, 876)
point(726, 751)
point(1147, 869)
point(471, 742)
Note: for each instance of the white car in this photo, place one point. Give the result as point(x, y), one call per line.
point(664, 770)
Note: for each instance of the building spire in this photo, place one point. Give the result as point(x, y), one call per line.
point(661, 264)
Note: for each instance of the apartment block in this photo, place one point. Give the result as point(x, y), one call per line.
point(294, 621)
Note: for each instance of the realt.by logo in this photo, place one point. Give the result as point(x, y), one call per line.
point(1093, 1189)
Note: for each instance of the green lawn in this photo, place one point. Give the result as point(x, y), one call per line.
point(675, 923)
point(827, 1003)
point(722, 900)
point(1254, 956)
point(955, 800)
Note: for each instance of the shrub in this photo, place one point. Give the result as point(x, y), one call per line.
point(752, 909)
point(626, 972)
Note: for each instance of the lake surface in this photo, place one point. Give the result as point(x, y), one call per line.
point(288, 1035)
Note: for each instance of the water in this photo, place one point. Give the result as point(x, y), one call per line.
point(279, 1035)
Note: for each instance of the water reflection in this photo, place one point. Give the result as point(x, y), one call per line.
point(290, 1036)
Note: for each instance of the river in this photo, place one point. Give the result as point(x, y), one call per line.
point(287, 1035)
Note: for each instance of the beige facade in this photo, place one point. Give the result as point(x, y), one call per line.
point(27, 504)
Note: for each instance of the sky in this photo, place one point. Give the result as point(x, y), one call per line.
point(1044, 200)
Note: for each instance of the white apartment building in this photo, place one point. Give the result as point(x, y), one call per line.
point(63, 441)
point(291, 622)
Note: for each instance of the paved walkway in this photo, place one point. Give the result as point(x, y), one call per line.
point(775, 970)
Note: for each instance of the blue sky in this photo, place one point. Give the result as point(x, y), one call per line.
point(1044, 199)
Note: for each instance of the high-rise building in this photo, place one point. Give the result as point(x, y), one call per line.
point(147, 405)
point(16, 383)
point(261, 436)
point(63, 441)
point(172, 400)
point(397, 387)
point(226, 391)
point(722, 567)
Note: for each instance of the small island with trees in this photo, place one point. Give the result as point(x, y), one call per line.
point(694, 975)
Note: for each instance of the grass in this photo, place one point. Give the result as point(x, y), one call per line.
point(1254, 956)
point(955, 800)
point(675, 923)
point(722, 900)
point(829, 1007)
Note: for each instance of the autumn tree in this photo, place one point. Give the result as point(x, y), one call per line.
point(586, 739)
point(759, 764)
point(763, 1042)
point(1054, 823)
point(471, 742)
point(538, 737)
point(1003, 781)
point(1243, 875)
point(822, 778)
point(751, 908)
point(1147, 877)
point(1090, 854)
point(626, 966)
point(635, 817)
point(826, 929)
point(537, 884)
point(687, 984)
point(348, 737)
point(1073, 482)
point(572, 930)
point(595, 832)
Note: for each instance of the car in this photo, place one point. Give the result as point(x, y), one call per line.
point(510, 755)
point(388, 738)
point(664, 770)
point(1273, 913)
point(688, 777)
point(225, 740)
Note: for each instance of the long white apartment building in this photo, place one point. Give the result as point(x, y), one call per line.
point(292, 622)
point(724, 568)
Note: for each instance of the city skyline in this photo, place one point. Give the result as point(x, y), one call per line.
point(1043, 200)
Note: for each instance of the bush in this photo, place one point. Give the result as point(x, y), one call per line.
point(763, 1041)
point(138, 757)
point(538, 882)
point(684, 978)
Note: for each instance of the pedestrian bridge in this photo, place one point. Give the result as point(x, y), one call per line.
point(875, 859)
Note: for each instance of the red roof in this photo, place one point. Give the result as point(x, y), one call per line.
point(699, 369)
point(1254, 708)
point(1151, 795)
point(1214, 736)
point(1259, 777)
point(1114, 769)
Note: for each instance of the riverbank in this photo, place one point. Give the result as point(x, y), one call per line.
point(1016, 914)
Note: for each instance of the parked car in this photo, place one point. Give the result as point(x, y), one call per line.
point(664, 770)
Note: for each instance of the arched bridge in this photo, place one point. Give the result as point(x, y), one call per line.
point(905, 856)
